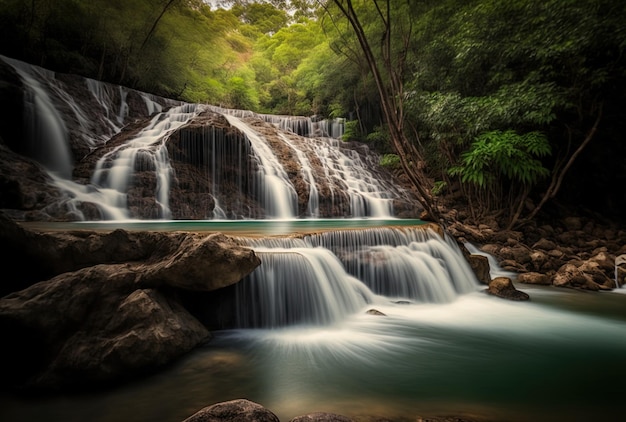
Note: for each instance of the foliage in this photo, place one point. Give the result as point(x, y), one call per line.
point(471, 82)
point(391, 161)
point(496, 154)
point(351, 131)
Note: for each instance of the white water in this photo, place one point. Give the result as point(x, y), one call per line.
point(48, 134)
point(336, 175)
point(301, 282)
point(277, 192)
point(299, 125)
point(115, 170)
point(369, 196)
point(313, 210)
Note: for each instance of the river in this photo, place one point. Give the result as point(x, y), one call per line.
point(559, 357)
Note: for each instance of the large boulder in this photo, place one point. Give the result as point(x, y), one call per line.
point(187, 267)
point(95, 323)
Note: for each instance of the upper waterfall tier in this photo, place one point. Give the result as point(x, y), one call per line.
point(105, 152)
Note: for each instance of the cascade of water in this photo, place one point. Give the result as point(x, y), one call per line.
point(412, 264)
point(313, 205)
point(114, 171)
point(298, 286)
point(369, 196)
point(277, 192)
point(104, 96)
point(402, 262)
point(45, 128)
point(300, 125)
point(84, 115)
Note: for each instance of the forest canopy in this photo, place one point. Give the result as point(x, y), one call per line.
point(499, 100)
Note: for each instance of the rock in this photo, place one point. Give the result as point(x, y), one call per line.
point(516, 252)
point(503, 287)
point(544, 244)
point(321, 417)
point(203, 264)
point(146, 331)
point(480, 266)
point(513, 266)
point(538, 260)
point(107, 330)
point(240, 410)
point(534, 278)
point(95, 323)
point(587, 275)
point(375, 312)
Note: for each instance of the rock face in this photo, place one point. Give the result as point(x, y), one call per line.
point(110, 309)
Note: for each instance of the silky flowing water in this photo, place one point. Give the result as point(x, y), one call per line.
point(559, 357)
point(369, 316)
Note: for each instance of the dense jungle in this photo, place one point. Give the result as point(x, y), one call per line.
point(506, 108)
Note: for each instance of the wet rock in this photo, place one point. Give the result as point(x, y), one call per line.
point(375, 312)
point(480, 266)
point(240, 410)
point(112, 309)
point(503, 287)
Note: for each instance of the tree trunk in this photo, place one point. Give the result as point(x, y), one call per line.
point(154, 25)
point(391, 104)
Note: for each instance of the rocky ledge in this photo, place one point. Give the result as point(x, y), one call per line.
point(578, 252)
point(109, 306)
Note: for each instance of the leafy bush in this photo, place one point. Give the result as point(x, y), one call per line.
point(498, 154)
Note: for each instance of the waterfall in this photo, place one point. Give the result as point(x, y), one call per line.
point(118, 154)
point(299, 286)
point(313, 204)
point(277, 192)
point(299, 125)
point(115, 170)
point(46, 132)
point(321, 278)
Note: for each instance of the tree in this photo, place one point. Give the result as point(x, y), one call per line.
point(521, 66)
point(390, 86)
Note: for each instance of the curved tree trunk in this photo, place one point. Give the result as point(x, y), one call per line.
point(391, 103)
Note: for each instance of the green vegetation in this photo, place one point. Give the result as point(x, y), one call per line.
point(502, 101)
